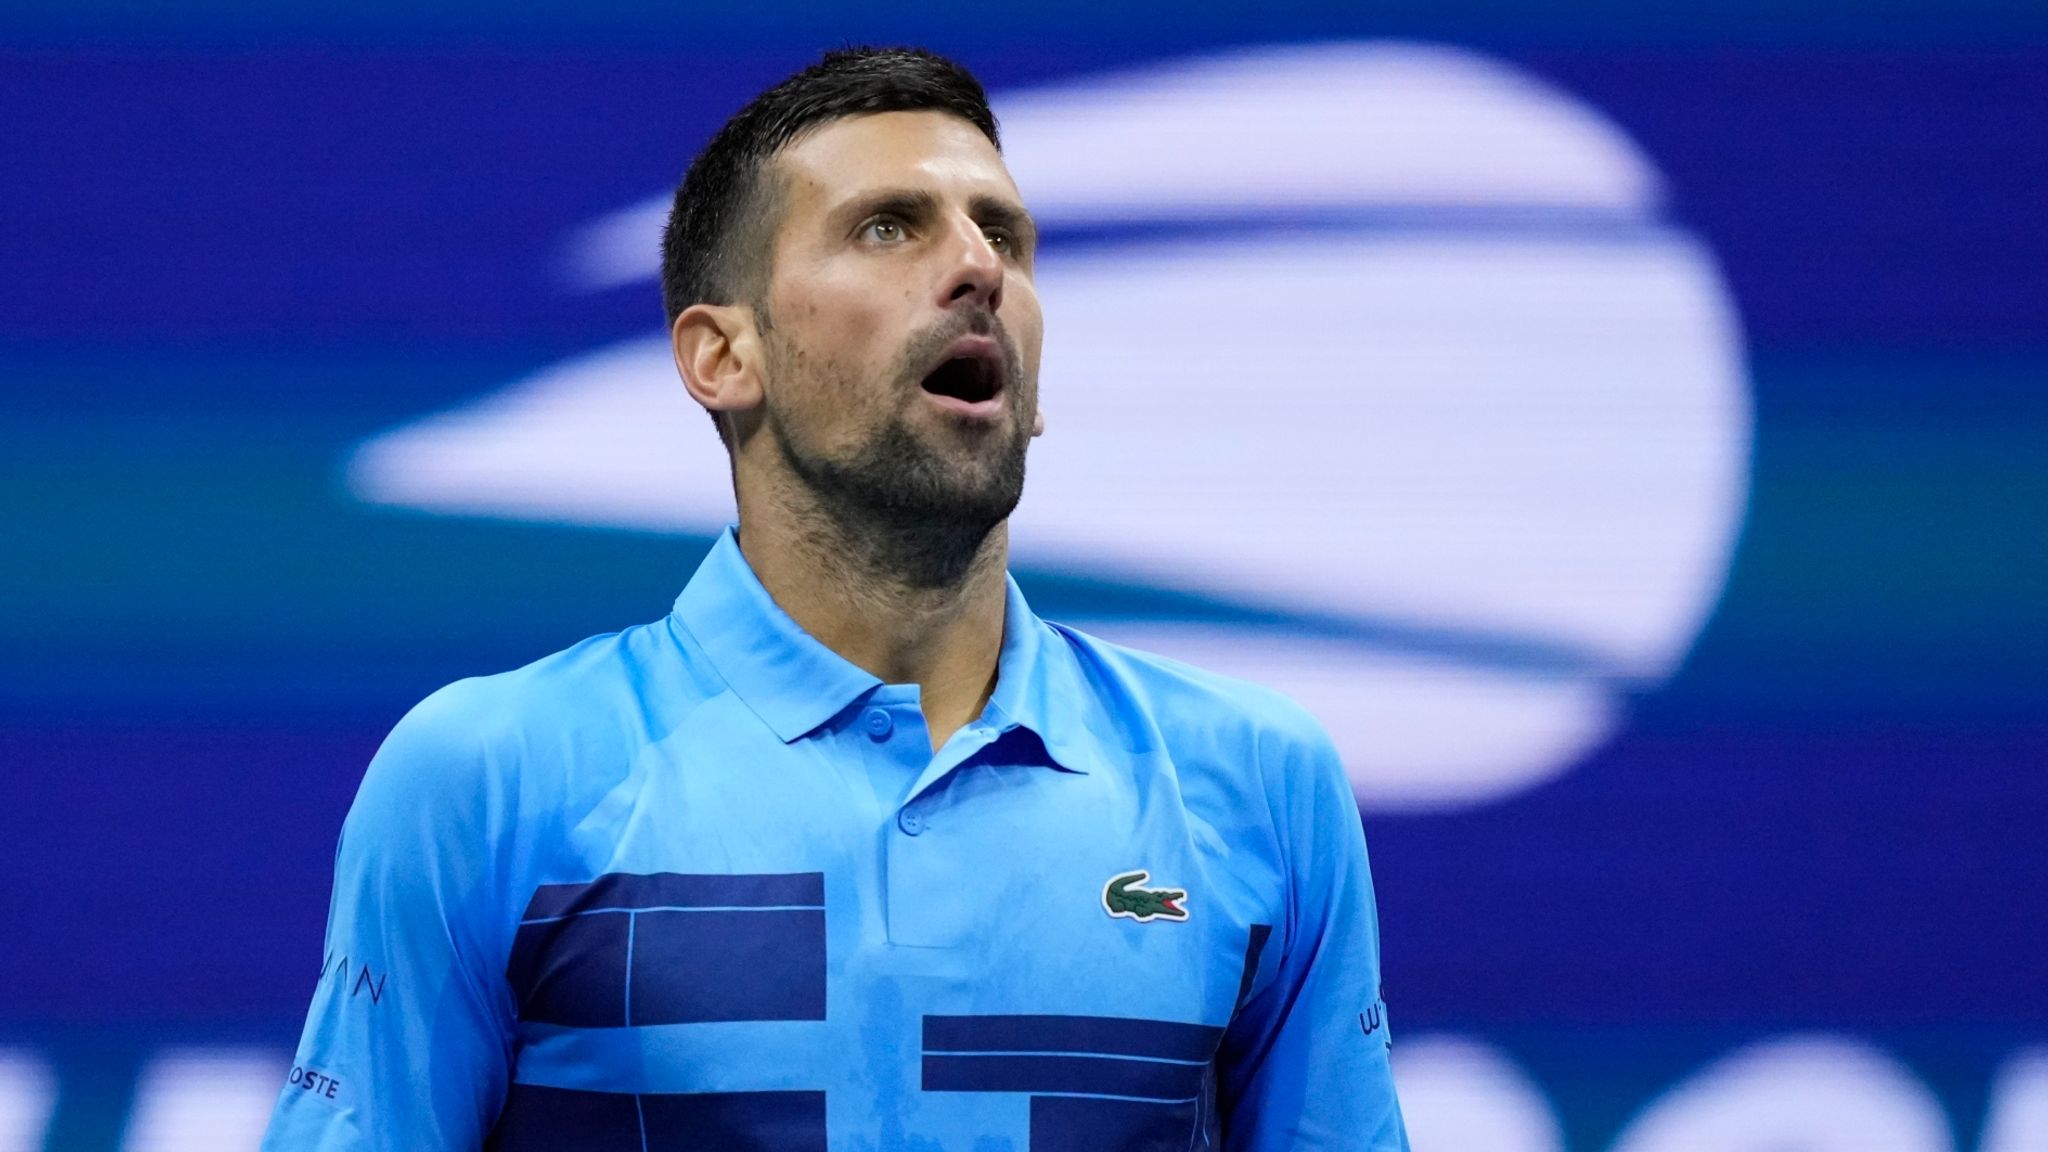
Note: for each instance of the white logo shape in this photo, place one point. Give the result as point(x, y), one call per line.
point(1383, 350)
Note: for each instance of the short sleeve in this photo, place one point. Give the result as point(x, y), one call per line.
point(1305, 1063)
point(407, 1043)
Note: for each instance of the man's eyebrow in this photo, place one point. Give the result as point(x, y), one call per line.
point(1004, 214)
point(916, 204)
point(909, 203)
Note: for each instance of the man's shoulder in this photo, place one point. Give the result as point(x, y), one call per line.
point(560, 684)
point(485, 749)
point(1188, 705)
point(599, 687)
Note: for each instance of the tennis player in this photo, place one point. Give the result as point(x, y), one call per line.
point(852, 850)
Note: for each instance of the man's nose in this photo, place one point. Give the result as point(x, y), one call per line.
point(974, 269)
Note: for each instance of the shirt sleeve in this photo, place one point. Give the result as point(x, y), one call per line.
point(1305, 1063)
point(407, 1044)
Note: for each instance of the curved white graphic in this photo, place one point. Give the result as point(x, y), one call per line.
point(2018, 1116)
point(1460, 1094)
point(1798, 1094)
point(28, 1097)
point(1379, 361)
point(205, 1100)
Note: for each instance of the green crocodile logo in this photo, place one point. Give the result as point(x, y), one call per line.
point(1123, 896)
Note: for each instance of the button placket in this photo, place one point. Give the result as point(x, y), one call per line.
point(923, 857)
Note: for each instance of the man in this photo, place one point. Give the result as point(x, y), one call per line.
point(851, 851)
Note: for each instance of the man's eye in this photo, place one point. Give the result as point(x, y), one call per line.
point(884, 231)
point(1000, 240)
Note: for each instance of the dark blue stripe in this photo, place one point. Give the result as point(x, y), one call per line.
point(1109, 1035)
point(625, 890)
point(1079, 1124)
point(1253, 950)
point(670, 967)
point(571, 971)
point(735, 1122)
point(1089, 1075)
point(537, 1118)
point(693, 967)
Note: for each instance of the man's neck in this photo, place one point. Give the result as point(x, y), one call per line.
point(945, 639)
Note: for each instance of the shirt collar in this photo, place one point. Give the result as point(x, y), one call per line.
point(794, 683)
point(1039, 686)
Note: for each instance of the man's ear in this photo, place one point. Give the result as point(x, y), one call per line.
point(719, 356)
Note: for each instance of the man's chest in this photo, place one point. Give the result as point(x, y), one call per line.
point(1006, 937)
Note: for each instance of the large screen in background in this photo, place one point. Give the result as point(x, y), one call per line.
point(1630, 450)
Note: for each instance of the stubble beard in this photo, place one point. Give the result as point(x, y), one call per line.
point(900, 506)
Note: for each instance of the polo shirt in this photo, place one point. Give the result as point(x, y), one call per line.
point(704, 884)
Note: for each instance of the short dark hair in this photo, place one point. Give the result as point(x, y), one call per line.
point(716, 248)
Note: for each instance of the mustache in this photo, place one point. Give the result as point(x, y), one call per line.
point(921, 352)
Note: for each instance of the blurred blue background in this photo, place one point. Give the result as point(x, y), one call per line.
point(1646, 484)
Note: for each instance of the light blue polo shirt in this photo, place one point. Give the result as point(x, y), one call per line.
point(703, 884)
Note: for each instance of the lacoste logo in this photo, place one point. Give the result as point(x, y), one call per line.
point(1123, 896)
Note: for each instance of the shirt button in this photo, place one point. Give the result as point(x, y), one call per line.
point(910, 822)
point(879, 723)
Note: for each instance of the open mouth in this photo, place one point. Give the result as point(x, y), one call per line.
point(970, 379)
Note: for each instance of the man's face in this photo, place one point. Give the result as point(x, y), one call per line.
point(904, 331)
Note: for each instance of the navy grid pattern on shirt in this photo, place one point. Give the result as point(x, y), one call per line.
point(626, 950)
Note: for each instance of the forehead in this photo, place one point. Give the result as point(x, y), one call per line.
point(856, 155)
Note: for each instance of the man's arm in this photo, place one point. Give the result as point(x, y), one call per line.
point(1304, 1065)
point(407, 1044)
